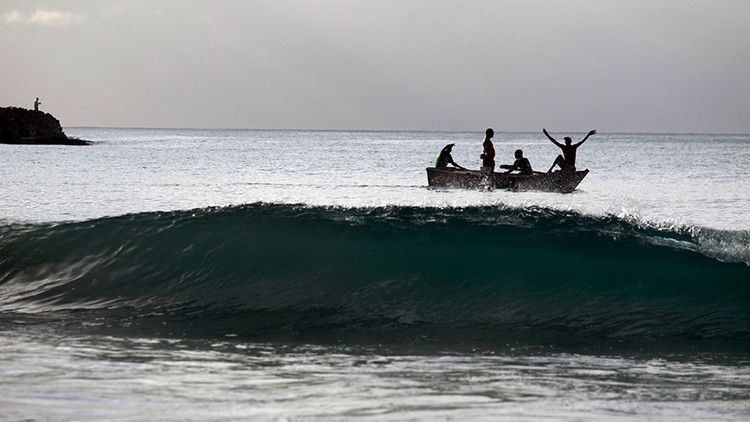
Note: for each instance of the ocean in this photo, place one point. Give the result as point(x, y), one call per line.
point(196, 274)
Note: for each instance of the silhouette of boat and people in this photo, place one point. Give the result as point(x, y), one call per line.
point(517, 176)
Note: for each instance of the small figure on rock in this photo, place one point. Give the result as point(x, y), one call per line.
point(36, 104)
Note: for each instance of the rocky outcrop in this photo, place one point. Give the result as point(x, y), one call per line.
point(22, 126)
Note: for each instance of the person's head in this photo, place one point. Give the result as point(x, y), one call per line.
point(567, 140)
point(519, 153)
point(489, 133)
point(448, 148)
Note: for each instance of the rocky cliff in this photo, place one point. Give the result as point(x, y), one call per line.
point(22, 126)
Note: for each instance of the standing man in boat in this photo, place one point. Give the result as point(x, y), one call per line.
point(445, 158)
point(488, 153)
point(567, 161)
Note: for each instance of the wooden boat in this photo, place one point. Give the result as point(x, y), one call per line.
point(558, 181)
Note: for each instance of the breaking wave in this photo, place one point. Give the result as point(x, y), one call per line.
point(486, 274)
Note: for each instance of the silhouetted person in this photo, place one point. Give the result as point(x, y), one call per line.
point(445, 158)
point(522, 164)
point(566, 161)
point(36, 104)
point(488, 153)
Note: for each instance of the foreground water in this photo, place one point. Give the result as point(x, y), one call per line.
point(201, 274)
point(95, 378)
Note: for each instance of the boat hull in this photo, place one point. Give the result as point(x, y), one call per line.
point(558, 181)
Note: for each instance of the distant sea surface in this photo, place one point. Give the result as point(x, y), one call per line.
point(184, 274)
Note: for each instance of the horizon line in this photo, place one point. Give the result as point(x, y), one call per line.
point(395, 130)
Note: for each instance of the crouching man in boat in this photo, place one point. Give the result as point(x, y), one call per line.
point(567, 161)
point(522, 164)
point(445, 158)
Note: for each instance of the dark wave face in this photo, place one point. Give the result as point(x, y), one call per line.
point(398, 274)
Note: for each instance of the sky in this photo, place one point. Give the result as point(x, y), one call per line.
point(574, 65)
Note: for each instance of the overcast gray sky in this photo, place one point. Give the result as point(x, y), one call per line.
point(630, 65)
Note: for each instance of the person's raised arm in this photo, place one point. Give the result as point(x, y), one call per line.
point(593, 132)
point(551, 138)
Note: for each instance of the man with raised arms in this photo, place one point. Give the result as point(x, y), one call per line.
point(566, 161)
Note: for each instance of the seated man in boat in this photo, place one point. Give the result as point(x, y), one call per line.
point(488, 152)
point(522, 164)
point(445, 158)
point(566, 161)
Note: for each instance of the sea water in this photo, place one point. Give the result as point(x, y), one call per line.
point(233, 274)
